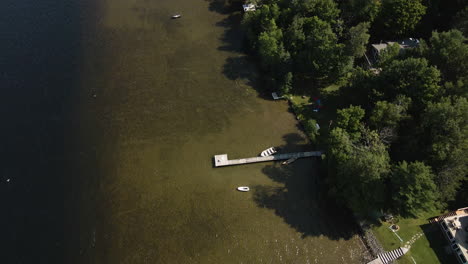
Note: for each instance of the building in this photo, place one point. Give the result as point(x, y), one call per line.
point(404, 44)
point(455, 229)
point(248, 7)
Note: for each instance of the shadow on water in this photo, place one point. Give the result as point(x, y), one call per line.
point(225, 6)
point(40, 47)
point(239, 67)
point(300, 202)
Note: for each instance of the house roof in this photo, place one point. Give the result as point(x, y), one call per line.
point(456, 227)
point(404, 44)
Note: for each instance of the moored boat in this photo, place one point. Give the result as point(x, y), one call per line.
point(243, 188)
point(289, 161)
point(176, 16)
point(268, 152)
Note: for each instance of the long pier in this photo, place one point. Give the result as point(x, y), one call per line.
point(222, 159)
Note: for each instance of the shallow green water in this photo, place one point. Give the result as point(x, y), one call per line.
point(152, 100)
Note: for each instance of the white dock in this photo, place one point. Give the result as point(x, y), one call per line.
point(222, 159)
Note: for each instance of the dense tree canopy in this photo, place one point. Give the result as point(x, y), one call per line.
point(460, 21)
point(357, 169)
point(412, 77)
point(350, 120)
point(399, 138)
point(414, 190)
point(400, 17)
point(389, 114)
point(358, 39)
point(449, 53)
point(302, 41)
point(446, 123)
point(356, 11)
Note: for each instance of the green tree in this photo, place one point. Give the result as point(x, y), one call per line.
point(361, 10)
point(386, 114)
point(389, 54)
point(413, 188)
point(449, 52)
point(457, 88)
point(361, 88)
point(270, 48)
point(350, 119)
point(357, 169)
point(310, 126)
point(400, 17)
point(460, 21)
point(286, 84)
point(412, 77)
point(317, 53)
point(326, 10)
point(264, 19)
point(358, 38)
point(446, 126)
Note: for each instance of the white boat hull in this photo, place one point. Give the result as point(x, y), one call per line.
point(289, 161)
point(243, 189)
point(268, 152)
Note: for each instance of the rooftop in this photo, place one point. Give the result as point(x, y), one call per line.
point(404, 44)
point(456, 230)
point(248, 7)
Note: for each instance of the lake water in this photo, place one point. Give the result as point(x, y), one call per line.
point(113, 112)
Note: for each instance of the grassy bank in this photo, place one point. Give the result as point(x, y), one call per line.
point(428, 245)
point(325, 102)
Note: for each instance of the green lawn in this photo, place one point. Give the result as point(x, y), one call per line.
point(427, 249)
point(303, 107)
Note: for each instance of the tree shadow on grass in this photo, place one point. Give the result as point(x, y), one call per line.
point(438, 242)
point(299, 201)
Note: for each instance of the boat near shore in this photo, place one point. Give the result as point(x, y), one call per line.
point(243, 188)
point(268, 152)
point(289, 161)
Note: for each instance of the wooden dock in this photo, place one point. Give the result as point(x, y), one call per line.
point(222, 159)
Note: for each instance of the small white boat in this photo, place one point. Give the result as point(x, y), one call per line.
point(176, 16)
point(268, 152)
point(243, 188)
point(289, 161)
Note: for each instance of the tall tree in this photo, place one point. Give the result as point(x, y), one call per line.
point(413, 188)
point(400, 17)
point(350, 119)
point(326, 10)
point(317, 54)
point(386, 114)
point(270, 47)
point(460, 21)
point(412, 77)
point(446, 124)
point(449, 52)
point(388, 55)
point(357, 169)
point(358, 38)
point(356, 11)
